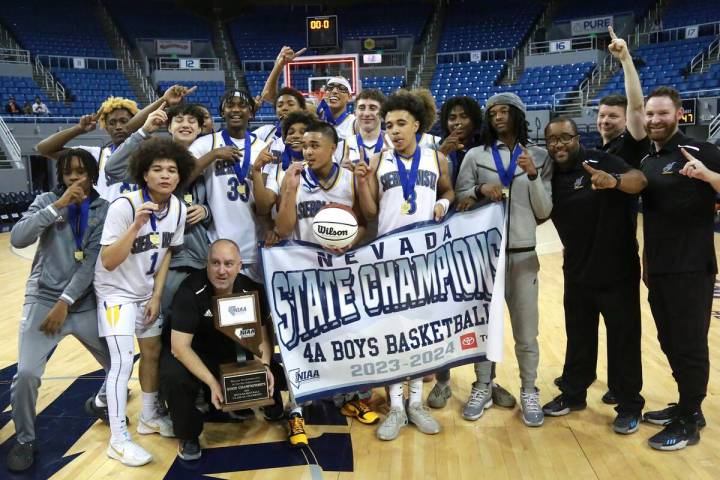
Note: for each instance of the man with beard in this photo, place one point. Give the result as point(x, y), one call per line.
point(593, 212)
point(680, 262)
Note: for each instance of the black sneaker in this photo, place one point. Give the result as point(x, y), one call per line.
point(100, 412)
point(559, 406)
point(626, 423)
point(676, 435)
point(21, 457)
point(666, 415)
point(189, 449)
point(609, 398)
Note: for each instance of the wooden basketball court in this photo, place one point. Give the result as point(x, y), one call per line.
point(498, 445)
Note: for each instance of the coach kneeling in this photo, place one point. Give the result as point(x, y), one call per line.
point(194, 349)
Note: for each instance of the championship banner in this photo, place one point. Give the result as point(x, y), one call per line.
point(416, 300)
point(590, 25)
point(173, 47)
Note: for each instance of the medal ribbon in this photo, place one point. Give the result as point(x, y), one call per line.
point(290, 155)
point(324, 113)
point(314, 181)
point(407, 179)
point(153, 218)
point(240, 171)
point(506, 176)
point(376, 149)
point(78, 220)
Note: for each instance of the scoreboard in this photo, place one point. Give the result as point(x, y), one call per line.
point(322, 32)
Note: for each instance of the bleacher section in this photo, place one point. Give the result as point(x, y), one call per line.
point(157, 19)
point(89, 88)
point(691, 12)
point(385, 84)
point(207, 93)
point(572, 9)
point(13, 205)
point(666, 63)
point(487, 25)
point(536, 86)
point(404, 19)
point(55, 27)
point(23, 89)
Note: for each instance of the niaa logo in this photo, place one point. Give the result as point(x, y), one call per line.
point(298, 376)
point(235, 310)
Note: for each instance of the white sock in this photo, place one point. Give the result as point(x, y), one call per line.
point(149, 408)
point(122, 349)
point(416, 388)
point(396, 395)
point(99, 402)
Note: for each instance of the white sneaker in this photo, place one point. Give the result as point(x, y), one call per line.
point(129, 453)
point(162, 425)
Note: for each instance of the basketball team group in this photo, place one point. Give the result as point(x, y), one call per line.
point(142, 233)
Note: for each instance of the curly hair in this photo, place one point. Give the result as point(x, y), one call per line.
point(160, 148)
point(469, 105)
point(64, 163)
point(301, 116)
point(116, 103)
point(412, 103)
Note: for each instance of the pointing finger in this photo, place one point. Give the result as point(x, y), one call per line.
point(611, 31)
point(689, 157)
point(162, 106)
point(300, 52)
point(191, 90)
point(588, 168)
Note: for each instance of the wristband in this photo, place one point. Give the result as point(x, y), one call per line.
point(143, 133)
point(445, 204)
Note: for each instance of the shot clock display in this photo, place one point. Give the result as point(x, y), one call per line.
point(322, 32)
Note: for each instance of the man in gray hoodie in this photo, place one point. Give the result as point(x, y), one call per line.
point(490, 172)
point(59, 298)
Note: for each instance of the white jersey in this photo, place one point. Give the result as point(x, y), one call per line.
point(268, 133)
point(231, 202)
point(133, 279)
point(390, 193)
point(346, 128)
point(355, 153)
point(310, 199)
point(106, 190)
point(425, 140)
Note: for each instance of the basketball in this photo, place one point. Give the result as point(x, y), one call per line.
point(335, 226)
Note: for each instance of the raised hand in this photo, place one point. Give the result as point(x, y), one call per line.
point(292, 175)
point(694, 168)
point(88, 123)
point(287, 55)
point(176, 93)
point(142, 215)
point(155, 120)
point(362, 172)
point(618, 47)
point(75, 193)
point(600, 180)
point(263, 158)
point(525, 161)
point(451, 143)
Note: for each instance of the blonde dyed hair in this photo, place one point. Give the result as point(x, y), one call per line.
point(115, 103)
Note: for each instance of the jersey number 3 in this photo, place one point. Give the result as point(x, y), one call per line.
point(233, 193)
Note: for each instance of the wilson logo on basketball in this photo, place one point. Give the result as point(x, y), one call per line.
point(326, 230)
point(468, 341)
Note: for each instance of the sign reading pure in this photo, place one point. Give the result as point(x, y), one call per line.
point(591, 25)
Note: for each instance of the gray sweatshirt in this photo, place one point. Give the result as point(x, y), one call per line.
point(194, 251)
point(55, 273)
point(530, 200)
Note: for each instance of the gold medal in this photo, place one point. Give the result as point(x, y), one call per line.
point(241, 189)
point(405, 208)
point(79, 255)
point(188, 198)
point(155, 238)
point(506, 192)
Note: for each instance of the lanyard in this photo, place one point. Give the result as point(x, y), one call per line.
point(241, 171)
point(78, 219)
point(506, 176)
point(314, 182)
point(290, 155)
point(408, 178)
point(376, 149)
point(153, 218)
point(324, 113)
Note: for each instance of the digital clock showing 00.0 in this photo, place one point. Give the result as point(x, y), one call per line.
point(322, 32)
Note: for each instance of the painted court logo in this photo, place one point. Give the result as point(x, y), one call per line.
point(468, 341)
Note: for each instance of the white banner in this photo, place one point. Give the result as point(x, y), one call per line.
point(691, 31)
point(423, 298)
point(560, 45)
point(189, 63)
point(372, 58)
point(173, 47)
point(78, 62)
point(590, 25)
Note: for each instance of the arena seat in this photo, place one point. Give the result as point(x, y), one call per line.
point(570, 10)
point(691, 12)
point(207, 93)
point(89, 88)
point(152, 19)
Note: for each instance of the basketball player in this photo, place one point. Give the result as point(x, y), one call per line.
point(140, 229)
point(225, 160)
point(398, 204)
point(333, 108)
point(593, 211)
point(490, 172)
point(59, 301)
point(680, 263)
point(369, 138)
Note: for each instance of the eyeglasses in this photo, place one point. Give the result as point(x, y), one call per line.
point(335, 86)
point(564, 138)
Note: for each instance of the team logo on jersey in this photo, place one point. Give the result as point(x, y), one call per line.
point(668, 170)
point(309, 209)
point(579, 183)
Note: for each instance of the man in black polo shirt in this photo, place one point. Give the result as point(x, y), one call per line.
point(593, 213)
point(197, 348)
point(679, 212)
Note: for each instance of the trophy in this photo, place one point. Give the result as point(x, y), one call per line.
point(244, 383)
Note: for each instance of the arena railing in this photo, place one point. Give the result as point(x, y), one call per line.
point(11, 145)
point(14, 55)
point(714, 128)
point(709, 53)
point(174, 64)
point(51, 84)
point(588, 42)
point(475, 55)
point(91, 63)
point(671, 34)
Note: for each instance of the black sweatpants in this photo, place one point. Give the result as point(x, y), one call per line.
point(681, 305)
point(619, 305)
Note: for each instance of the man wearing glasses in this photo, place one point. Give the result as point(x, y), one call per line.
point(333, 107)
point(593, 197)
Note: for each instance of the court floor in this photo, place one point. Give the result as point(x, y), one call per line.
point(498, 445)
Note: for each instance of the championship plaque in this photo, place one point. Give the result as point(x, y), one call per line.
point(244, 383)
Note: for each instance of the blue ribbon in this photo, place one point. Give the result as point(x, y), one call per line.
point(324, 113)
point(290, 155)
point(376, 149)
point(78, 219)
point(153, 218)
point(407, 179)
point(314, 182)
point(506, 176)
point(241, 171)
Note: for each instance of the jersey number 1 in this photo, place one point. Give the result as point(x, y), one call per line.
point(153, 262)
